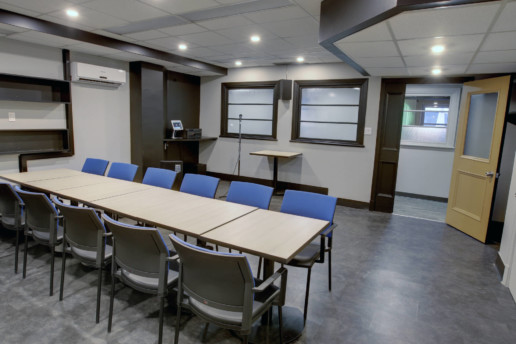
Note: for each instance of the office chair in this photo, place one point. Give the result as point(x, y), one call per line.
point(95, 166)
point(122, 170)
point(159, 177)
point(220, 289)
point(11, 208)
point(42, 223)
point(84, 236)
point(319, 207)
point(140, 260)
point(200, 185)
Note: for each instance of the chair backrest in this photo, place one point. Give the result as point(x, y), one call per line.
point(255, 195)
point(122, 170)
point(217, 279)
point(159, 177)
point(200, 185)
point(82, 225)
point(309, 204)
point(95, 166)
point(39, 210)
point(137, 249)
point(8, 201)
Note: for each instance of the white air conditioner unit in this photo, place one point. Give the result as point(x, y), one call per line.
point(97, 75)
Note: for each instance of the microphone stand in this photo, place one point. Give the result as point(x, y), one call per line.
point(239, 140)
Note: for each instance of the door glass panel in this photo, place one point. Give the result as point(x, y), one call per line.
point(479, 132)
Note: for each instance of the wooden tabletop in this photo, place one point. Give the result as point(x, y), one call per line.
point(276, 154)
point(272, 235)
point(174, 210)
point(39, 175)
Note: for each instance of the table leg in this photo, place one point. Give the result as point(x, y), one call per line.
point(275, 174)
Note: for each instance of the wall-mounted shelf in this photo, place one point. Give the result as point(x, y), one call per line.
point(33, 89)
point(203, 138)
point(33, 141)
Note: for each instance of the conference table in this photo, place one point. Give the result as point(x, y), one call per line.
point(277, 237)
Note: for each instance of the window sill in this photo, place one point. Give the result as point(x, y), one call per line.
point(250, 137)
point(427, 147)
point(329, 142)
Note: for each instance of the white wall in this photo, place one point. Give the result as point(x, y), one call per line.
point(100, 115)
point(506, 167)
point(508, 243)
point(346, 171)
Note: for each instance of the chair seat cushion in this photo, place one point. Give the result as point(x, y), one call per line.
point(9, 222)
point(144, 283)
point(45, 236)
point(89, 256)
point(308, 256)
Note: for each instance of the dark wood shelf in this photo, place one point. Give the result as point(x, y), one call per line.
point(33, 89)
point(203, 138)
point(22, 141)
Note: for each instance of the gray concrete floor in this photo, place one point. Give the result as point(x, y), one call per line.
point(395, 280)
point(420, 208)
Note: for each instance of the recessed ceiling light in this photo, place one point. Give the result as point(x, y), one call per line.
point(238, 63)
point(436, 71)
point(300, 59)
point(72, 13)
point(437, 49)
point(182, 46)
point(255, 38)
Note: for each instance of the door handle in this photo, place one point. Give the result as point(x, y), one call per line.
point(489, 174)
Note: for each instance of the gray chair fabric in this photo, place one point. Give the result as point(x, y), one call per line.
point(221, 288)
point(140, 260)
point(42, 223)
point(11, 208)
point(84, 236)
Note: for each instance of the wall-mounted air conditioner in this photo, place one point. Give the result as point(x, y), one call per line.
point(97, 75)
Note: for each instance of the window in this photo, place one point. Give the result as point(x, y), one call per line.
point(329, 112)
point(430, 115)
point(257, 102)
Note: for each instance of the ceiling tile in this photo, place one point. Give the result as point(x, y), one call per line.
point(11, 28)
point(88, 17)
point(369, 49)
point(206, 39)
point(311, 6)
point(506, 20)
point(452, 21)
point(244, 33)
point(490, 68)
point(387, 71)
point(130, 10)
point(224, 23)
point(166, 43)
point(114, 35)
point(277, 14)
point(308, 41)
point(18, 9)
point(124, 56)
point(182, 29)
point(294, 27)
point(378, 32)
point(66, 22)
point(182, 6)
point(147, 35)
point(447, 59)
point(499, 41)
point(446, 70)
point(502, 56)
point(390, 62)
point(40, 6)
point(92, 49)
point(453, 45)
point(238, 50)
point(200, 52)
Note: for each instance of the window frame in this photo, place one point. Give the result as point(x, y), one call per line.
point(334, 83)
point(227, 86)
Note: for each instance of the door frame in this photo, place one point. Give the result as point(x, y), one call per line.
point(388, 137)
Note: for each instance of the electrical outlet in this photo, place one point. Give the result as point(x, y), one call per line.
point(12, 116)
point(178, 168)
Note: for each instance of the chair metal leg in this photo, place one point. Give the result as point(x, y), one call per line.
point(205, 332)
point(63, 265)
point(52, 259)
point(99, 288)
point(16, 251)
point(178, 323)
point(268, 325)
point(280, 319)
point(25, 256)
point(111, 301)
point(161, 307)
point(329, 270)
point(307, 293)
point(245, 339)
point(259, 267)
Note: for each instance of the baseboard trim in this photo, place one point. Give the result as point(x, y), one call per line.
point(429, 198)
point(281, 185)
point(500, 266)
point(352, 204)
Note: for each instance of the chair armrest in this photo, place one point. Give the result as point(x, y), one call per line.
point(107, 234)
point(172, 259)
point(270, 280)
point(329, 229)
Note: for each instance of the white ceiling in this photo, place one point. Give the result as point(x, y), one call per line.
point(478, 38)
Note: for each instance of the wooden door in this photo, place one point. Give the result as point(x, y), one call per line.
point(477, 151)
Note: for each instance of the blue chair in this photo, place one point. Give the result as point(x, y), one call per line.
point(251, 194)
point(11, 208)
point(122, 170)
point(159, 177)
point(316, 206)
point(200, 185)
point(95, 166)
